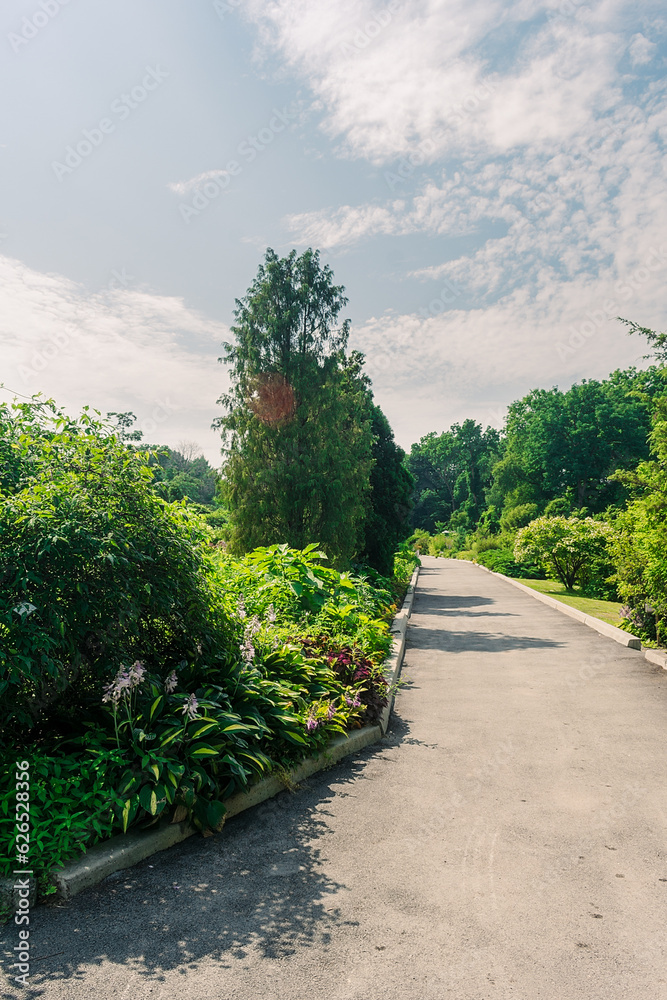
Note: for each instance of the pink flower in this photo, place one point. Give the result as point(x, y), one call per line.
point(171, 682)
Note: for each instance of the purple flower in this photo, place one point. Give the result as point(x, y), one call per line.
point(171, 682)
point(247, 648)
point(190, 708)
point(271, 613)
point(240, 604)
point(311, 724)
point(136, 673)
point(124, 682)
point(331, 712)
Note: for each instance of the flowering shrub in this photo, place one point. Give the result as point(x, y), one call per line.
point(153, 672)
point(574, 549)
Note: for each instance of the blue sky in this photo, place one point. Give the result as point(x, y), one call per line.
point(486, 179)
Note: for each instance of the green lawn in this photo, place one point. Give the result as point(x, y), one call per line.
point(608, 611)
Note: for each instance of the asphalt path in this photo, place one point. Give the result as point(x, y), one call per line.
point(507, 839)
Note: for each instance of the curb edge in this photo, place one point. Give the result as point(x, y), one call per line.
point(127, 850)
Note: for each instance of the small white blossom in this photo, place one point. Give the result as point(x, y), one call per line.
point(190, 708)
point(171, 682)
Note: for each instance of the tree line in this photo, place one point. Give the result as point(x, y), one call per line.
point(309, 456)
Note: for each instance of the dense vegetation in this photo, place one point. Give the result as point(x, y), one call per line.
point(308, 455)
point(573, 488)
point(169, 634)
point(143, 669)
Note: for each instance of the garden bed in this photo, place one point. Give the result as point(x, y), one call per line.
point(121, 852)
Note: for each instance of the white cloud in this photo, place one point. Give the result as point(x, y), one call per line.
point(430, 71)
point(184, 188)
point(427, 369)
point(641, 50)
point(114, 350)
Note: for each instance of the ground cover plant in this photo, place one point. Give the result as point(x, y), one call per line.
point(146, 673)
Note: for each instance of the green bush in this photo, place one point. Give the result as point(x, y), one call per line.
point(503, 561)
point(97, 571)
point(574, 550)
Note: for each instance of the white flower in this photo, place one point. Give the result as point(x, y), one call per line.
point(190, 708)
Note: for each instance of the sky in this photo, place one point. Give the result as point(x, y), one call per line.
point(487, 179)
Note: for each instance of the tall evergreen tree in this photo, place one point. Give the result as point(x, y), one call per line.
point(297, 432)
point(390, 499)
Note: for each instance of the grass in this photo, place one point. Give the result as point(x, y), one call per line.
point(607, 611)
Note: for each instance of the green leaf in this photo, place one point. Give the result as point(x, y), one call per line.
point(157, 706)
point(148, 799)
point(202, 750)
point(215, 815)
point(203, 729)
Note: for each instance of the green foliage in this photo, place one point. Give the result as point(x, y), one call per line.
point(518, 517)
point(96, 570)
point(639, 546)
point(574, 550)
point(502, 561)
point(452, 472)
point(71, 804)
point(179, 476)
point(297, 432)
point(390, 498)
point(567, 445)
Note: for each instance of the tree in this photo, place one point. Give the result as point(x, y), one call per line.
point(177, 477)
point(657, 341)
point(387, 522)
point(452, 472)
point(124, 423)
point(297, 434)
point(639, 546)
point(570, 547)
point(567, 445)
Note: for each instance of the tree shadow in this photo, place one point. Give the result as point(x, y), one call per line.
point(451, 641)
point(427, 603)
point(258, 886)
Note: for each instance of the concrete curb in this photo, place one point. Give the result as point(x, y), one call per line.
point(394, 661)
point(604, 628)
point(129, 849)
point(657, 656)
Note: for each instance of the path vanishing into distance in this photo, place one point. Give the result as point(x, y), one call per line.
point(507, 839)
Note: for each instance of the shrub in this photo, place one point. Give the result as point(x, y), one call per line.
point(97, 571)
point(503, 561)
point(574, 550)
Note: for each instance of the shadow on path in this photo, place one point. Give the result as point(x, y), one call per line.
point(452, 641)
point(259, 886)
